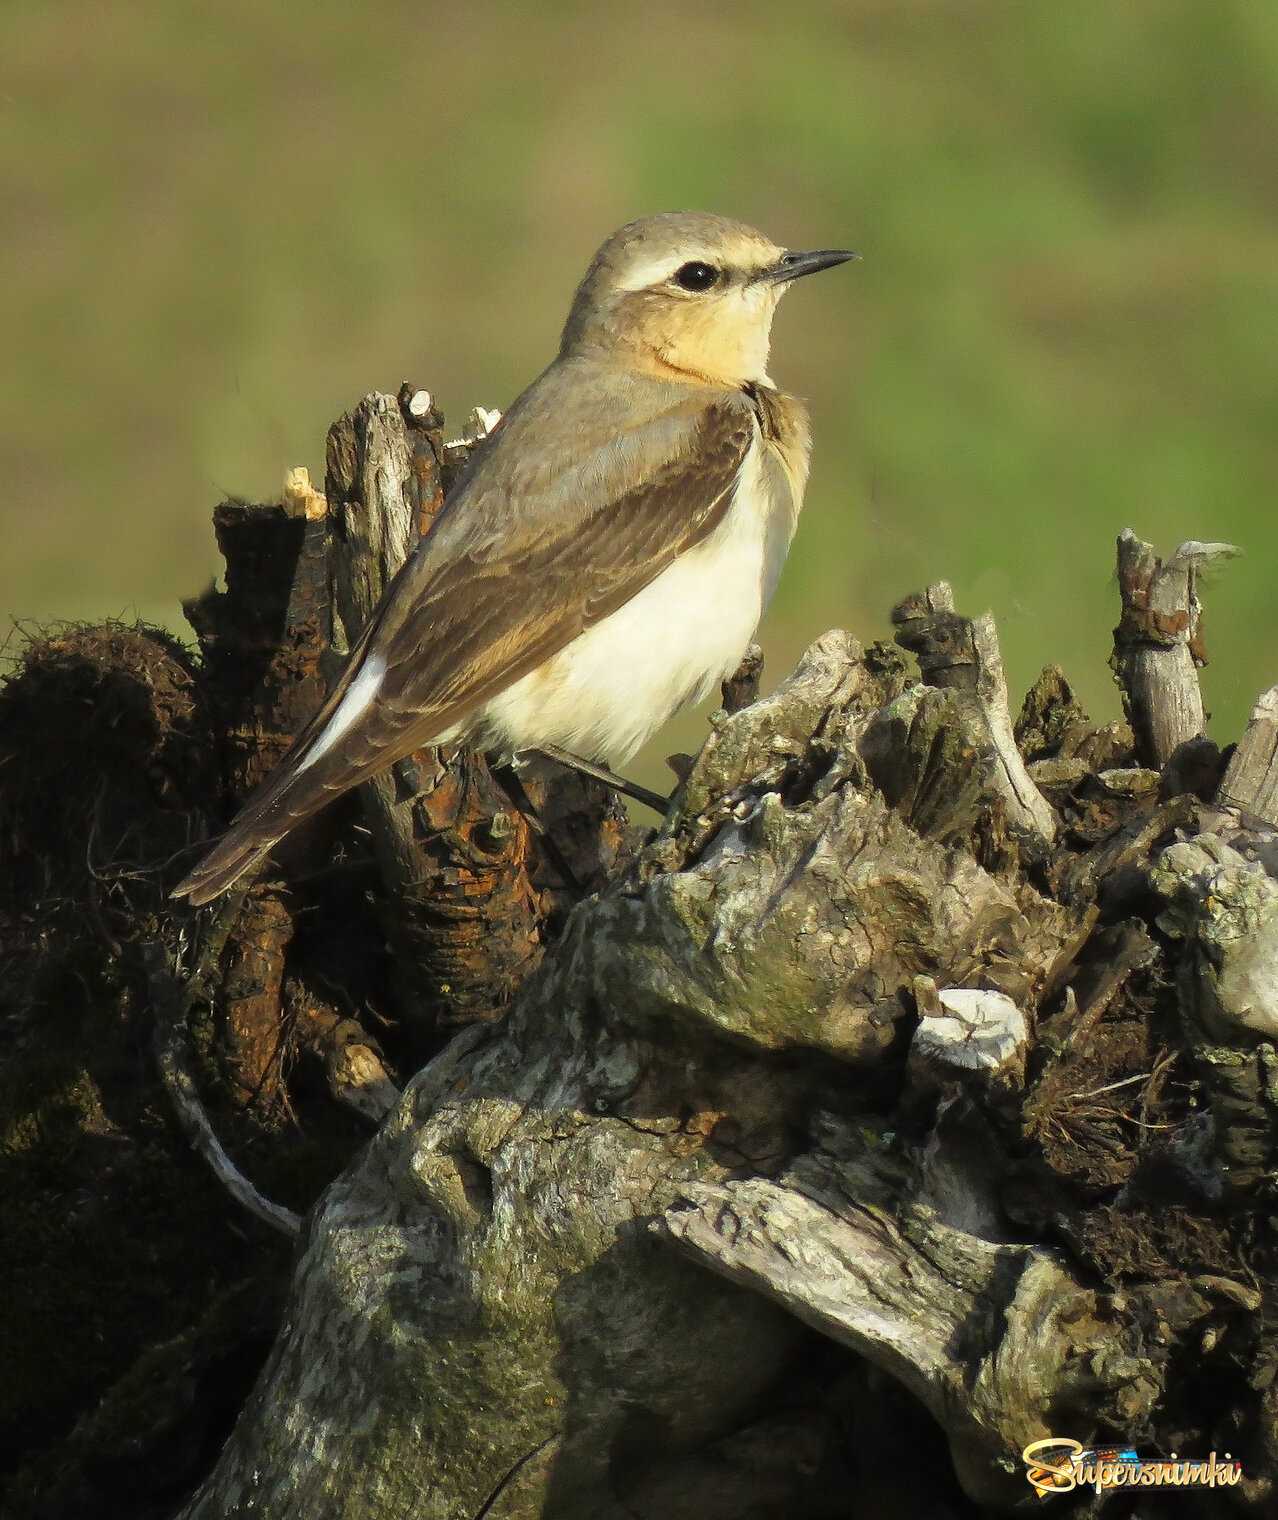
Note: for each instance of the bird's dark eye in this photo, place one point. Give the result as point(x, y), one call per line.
point(696, 276)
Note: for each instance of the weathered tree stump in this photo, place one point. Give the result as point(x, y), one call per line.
point(908, 1095)
point(848, 1035)
point(1158, 642)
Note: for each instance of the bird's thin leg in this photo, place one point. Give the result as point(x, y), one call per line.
point(507, 777)
point(654, 800)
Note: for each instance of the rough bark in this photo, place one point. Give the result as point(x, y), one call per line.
point(262, 642)
point(963, 655)
point(262, 639)
point(115, 1237)
point(1000, 1340)
point(172, 1055)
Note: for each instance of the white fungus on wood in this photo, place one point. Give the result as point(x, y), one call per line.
point(969, 1029)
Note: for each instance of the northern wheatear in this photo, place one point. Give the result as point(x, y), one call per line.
point(606, 558)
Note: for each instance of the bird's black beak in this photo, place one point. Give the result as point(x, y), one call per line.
point(793, 265)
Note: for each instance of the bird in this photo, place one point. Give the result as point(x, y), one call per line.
point(607, 554)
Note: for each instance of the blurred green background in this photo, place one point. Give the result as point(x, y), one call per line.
point(222, 224)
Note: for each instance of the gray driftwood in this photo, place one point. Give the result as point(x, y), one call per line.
point(383, 488)
point(961, 655)
point(999, 1340)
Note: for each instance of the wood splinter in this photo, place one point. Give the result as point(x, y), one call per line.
point(1251, 782)
point(915, 1297)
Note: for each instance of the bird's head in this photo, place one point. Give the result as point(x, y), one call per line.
point(687, 292)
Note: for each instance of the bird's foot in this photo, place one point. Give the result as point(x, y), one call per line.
point(507, 777)
point(654, 800)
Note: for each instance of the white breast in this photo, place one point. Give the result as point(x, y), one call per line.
point(605, 693)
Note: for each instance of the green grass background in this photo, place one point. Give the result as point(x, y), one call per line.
point(221, 224)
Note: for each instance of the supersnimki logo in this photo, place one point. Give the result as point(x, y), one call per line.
point(1057, 1465)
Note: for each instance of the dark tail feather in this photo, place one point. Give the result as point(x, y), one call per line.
point(223, 866)
point(263, 821)
point(291, 794)
point(296, 789)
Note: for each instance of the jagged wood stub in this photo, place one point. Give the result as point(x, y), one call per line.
point(262, 644)
point(1251, 780)
point(961, 655)
point(1158, 642)
point(262, 640)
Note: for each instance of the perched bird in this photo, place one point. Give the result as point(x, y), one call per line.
point(608, 554)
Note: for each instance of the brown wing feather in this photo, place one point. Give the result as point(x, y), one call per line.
point(456, 632)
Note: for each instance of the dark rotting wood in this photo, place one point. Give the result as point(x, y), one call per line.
point(263, 639)
point(463, 931)
point(172, 1003)
point(262, 642)
point(251, 1034)
point(589, 825)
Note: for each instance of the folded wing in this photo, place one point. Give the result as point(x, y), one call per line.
point(539, 542)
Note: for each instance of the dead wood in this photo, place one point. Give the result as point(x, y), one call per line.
point(262, 642)
point(262, 638)
point(782, 909)
point(854, 1033)
point(742, 686)
point(962, 655)
point(999, 1340)
point(173, 1059)
point(459, 913)
point(1251, 781)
